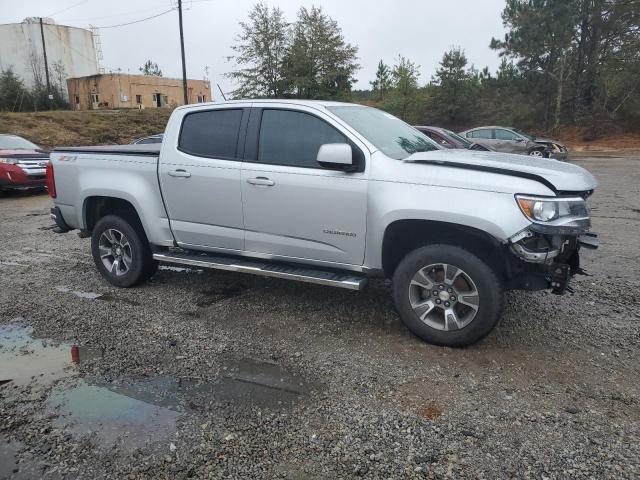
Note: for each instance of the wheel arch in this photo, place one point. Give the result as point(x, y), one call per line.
point(405, 235)
point(95, 207)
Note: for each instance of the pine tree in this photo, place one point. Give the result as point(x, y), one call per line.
point(320, 63)
point(382, 83)
point(261, 49)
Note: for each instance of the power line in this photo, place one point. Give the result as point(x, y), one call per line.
point(145, 10)
point(68, 8)
point(138, 21)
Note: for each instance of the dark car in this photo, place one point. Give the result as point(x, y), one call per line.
point(448, 139)
point(22, 164)
point(150, 139)
point(512, 140)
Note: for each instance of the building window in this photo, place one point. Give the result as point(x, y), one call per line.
point(201, 99)
point(139, 99)
point(77, 98)
point(95, 98)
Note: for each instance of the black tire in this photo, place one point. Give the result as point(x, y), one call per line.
point(142, 266)
point(542, 151)
point(490, 292)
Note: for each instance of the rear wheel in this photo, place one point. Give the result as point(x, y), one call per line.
point(121, 251)
point(447, 296)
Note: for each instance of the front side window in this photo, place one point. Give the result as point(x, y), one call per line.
point(505, 135)
point(212, 133)
point(293, 138)
point(387, 133)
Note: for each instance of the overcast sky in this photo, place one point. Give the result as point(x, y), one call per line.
point(418, 29)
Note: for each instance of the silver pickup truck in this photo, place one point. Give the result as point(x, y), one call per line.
point(334, 194)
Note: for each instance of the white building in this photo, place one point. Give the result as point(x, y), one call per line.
point(70, 51)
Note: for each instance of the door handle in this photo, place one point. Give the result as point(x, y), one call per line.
point(179, 173)
point(261, 181)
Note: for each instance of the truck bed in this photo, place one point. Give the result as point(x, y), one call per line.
point(152, 149)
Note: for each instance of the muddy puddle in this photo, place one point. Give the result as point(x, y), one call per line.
point(25, 360)
point(132, 413)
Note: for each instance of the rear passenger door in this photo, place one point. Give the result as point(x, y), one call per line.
point(293, 207)
point(200, 178)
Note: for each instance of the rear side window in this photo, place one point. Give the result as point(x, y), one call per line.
point(294, 138)
point(482, 133)
point(212, 133)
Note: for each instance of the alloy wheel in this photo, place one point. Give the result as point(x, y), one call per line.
point(444, 297)
point(115, 252)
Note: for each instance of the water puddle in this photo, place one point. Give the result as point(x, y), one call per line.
point(110, 417)
point(132, 413)
point(79, 293)
point(26, 360)
point(19, 467)
point(251, 382)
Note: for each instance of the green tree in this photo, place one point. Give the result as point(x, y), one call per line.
point(261, 50)
point(14, 97)
point(404, 99)
point(382, 83)
point(151, 68)
point(453, 96)
point(320, 64)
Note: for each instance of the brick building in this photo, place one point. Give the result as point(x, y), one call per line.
point(117, 90)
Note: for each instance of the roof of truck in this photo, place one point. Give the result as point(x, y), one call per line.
point(292, 101)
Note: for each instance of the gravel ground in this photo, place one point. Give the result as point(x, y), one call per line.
point(214, 375)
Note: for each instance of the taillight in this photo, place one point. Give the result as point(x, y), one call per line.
point(51, 182)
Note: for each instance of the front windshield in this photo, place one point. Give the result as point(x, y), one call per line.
point(466, 143)
point(12, 142)
point(525, 135)
point(391, 135)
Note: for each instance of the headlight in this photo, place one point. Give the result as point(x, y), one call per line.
point(552, 210)
point(10, 161)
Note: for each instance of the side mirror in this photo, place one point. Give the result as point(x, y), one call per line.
point(519, 140)
point(335, 155)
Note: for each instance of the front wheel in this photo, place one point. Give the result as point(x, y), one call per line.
point(537, 154)
point(121, 251)
point(447, 296)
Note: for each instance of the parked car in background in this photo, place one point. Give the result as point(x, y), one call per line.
point(22, 163)
point(333, 194)
point(448, 139)
point(512, 140)
point(147, 140)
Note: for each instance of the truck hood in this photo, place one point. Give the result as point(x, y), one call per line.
point(560, 176)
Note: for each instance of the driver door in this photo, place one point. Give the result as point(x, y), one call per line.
point(293, 207)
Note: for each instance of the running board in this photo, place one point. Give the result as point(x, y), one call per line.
point(267, 269)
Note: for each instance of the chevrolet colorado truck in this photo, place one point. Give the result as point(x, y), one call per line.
point(333, 194)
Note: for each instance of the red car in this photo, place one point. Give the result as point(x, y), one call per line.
point(22, 164)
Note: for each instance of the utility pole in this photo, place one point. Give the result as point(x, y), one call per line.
point(184, 68)
point(46, 65)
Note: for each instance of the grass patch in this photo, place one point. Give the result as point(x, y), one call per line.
point(76, 128)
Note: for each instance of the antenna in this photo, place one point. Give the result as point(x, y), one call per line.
point(221, 92)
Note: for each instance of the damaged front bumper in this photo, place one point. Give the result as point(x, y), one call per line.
point(546, 257)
